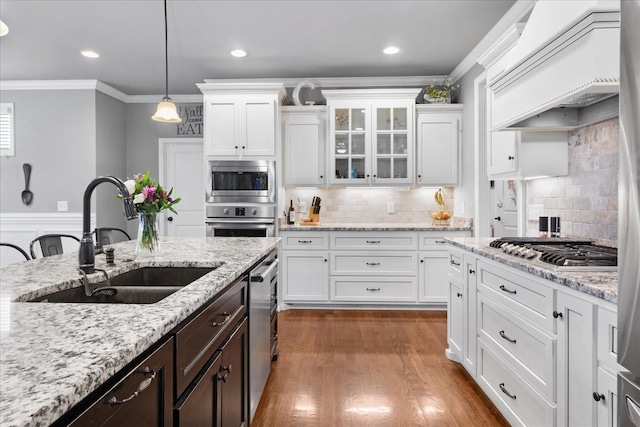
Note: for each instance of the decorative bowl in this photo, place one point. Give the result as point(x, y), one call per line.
point(441, 215)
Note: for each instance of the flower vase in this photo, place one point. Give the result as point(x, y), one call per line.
point(148, 243)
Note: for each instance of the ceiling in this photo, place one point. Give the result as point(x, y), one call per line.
point(284, 39)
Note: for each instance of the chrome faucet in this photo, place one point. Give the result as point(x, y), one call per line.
point(86, 253)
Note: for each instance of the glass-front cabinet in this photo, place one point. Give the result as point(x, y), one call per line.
point(371, 136)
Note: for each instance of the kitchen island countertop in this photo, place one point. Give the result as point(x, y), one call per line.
point(601, 284)
point(52, 355)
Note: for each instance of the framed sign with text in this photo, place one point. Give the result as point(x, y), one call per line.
point(191, 124)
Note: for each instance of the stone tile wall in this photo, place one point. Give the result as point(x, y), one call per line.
point(369, 205)
point(586, 199)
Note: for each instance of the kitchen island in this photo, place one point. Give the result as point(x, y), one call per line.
point(52, 355)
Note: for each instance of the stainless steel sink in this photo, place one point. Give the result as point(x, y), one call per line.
point(145, 285)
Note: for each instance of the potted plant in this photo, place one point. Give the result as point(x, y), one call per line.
point(440, 93)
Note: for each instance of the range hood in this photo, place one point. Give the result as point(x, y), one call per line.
point(564, 72)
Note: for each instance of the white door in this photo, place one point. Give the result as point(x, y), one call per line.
point(504, 196)
point(182, 167)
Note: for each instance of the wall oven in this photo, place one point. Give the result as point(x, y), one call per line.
point(241, 221)
point(241, 181)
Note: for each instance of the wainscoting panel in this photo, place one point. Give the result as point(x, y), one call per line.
point(21, 228)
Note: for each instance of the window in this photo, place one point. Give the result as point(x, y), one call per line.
point(7, 146)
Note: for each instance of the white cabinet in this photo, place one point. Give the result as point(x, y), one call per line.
point(606, 392)
point(439, 129)
point(607, 399)
point(305, 267)
point(305, 144)
point(455, 320)
point(470, 324)
point(433, 276)
point(241, 119)
point(576, 360)
point(527, 154)
point(371, 136)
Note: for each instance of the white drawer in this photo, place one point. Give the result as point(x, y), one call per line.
point(377, 289)
point(518, 402)
point(383, 240)
point(435, 239)
point(529, 351)
point(531, 299)
point(608, 337)
point(304, 240)
point(455, 264)
point(401, 263)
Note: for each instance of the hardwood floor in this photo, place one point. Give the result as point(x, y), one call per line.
point(369, 368)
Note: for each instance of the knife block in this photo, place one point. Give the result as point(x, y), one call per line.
point(313, 217)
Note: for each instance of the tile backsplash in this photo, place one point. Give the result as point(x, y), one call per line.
point(586, 199)
point(369, 205)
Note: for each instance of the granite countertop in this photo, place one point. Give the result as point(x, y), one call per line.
point(455, 224)
point(601, 284)
point(52, 355)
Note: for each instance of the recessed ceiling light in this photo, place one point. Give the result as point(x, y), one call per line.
point(238, 53)
point(391, 50)
point(4, 30)
point(90, 54)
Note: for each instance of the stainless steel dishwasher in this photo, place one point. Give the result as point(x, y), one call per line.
point(260, 327)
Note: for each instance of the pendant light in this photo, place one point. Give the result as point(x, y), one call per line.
point(166, 111)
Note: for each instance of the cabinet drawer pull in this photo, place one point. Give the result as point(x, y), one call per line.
point(598, 396)
point(141, 387)
point(373, 263)
point(505, 391)
point(305, 241)
point(453, 262)
point(227, 317)
point(374, 241)
point(373, 289)
point(227, 368)
point(440, 241)
point(509, 291)
point(503, 335)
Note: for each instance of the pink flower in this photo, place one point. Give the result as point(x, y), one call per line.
point(138, 177)
point(148, 193)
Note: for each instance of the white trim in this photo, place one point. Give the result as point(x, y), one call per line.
point(398, 93)
point(112, 92)
point(154, 99)
point(517, 12)
point(482, 211)
point(502, 46)
point(341, 82)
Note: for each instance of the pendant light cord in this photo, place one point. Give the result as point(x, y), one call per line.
point(166, 52)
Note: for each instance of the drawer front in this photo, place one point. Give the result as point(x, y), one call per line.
point(532, 300)
point(371, 241)
point(375, 290)
point(372, 263)
point(304, 240)
point(608, 337)
point(435, 240)
point(154, 404)
point(455, 265)
point(518, 402)
point(529, 351)
point(202, 336)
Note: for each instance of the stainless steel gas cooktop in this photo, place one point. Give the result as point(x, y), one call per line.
point(560, 253)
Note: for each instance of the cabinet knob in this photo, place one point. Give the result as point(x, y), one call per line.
point(236, 147)
point(557, 314)
point(598, 396)
point(497, 218)
point(421, 260)
point(472, 271)
point(459, 295)
point(243, 147)
point(512, 158)
point(170, 219)
point(325, 260)
point(321, 176)
point(419, 176)
point(227, 368)
point(375, 176)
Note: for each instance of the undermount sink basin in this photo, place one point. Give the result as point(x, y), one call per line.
point(145, 285)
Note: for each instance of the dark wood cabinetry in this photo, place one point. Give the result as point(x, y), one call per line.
point(202, 405)
point(142, 398)
point(235, 378)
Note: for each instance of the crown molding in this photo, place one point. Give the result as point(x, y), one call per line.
point(154, 99)
point(501, 46)
point(340, 82)
point(514, 15)
point(386, 93)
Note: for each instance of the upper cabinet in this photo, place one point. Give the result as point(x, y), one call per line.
point(522, 155)
point(305, 145)
point(240, 119)
point(439, 129)
point(371, 134)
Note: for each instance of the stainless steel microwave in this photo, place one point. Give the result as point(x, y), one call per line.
point(241, 181)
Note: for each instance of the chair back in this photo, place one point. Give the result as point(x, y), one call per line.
point(108, 235)
point(50, 244)
point(15, 255)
